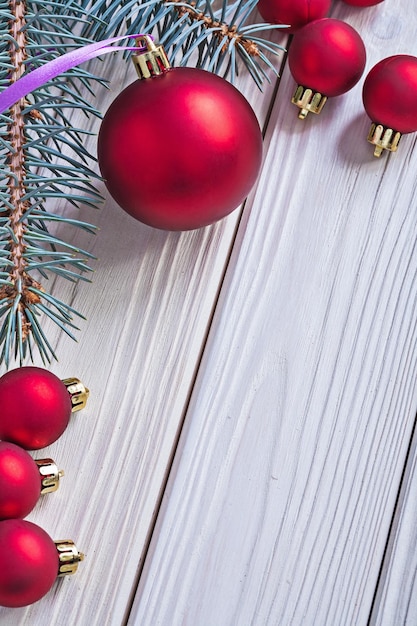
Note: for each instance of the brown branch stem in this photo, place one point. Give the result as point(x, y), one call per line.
point(17, 139)
point(19, 277)
point(224, 30)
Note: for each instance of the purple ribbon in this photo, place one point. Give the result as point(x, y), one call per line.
point(41, 75)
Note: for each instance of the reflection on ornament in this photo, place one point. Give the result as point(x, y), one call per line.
point(180, 148)
point(326, 58)
point(390, 99)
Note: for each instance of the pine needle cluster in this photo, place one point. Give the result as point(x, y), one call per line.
point(43, 156)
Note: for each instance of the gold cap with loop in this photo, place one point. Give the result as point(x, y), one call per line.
point(50, 475)
point(69, 557)
point(78, 392)
point(308, 101)
point(152, 61)
point(383, 138)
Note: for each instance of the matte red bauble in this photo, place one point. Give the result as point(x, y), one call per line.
point(362, 3)
point(326, 58)
point(390, 100)
point(35, 406)
point(23, 480)
point(29, 563)
point(295, 13)
point(20, 483)
point(180, 150)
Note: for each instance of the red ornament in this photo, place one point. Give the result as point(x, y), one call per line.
point(20, 483)
point(362, 3)
point(179, 150)
point(23, 480)
point(29, 563)
point(36, 406)
point(326, 58)
point(295, 13)
point(390, 100)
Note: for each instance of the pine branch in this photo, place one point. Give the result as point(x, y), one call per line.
point(43, 157)
point(193, 33)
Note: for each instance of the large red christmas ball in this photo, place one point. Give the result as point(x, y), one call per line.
point(180, 150)
point(327, 56)
point(362, 3)
point(390, 93)
point(20, 482)
point(29, 563)
point(35, 407)
point(295, 13)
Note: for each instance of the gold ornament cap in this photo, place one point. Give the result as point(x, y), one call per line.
point(308, 101)
point(78, 393)
point(152, 61)
point(383, 138)
point(50, 475)
point(68, 556)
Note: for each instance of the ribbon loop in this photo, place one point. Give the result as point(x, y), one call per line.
point(41, 75)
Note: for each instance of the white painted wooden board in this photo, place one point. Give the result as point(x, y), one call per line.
point(283, 488)
point(396, 600)
point(147, 311)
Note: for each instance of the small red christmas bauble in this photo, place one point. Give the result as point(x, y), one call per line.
point(180, 150)
point(20, 482)
point(327, 56)
point(29, 563)
point(362, 3)
point(295, 13)
point(35, 407)
point(390, 93)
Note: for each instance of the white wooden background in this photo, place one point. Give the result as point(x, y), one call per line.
point(247, 455)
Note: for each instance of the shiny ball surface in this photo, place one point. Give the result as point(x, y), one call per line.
point(181, 150)
point(295, 13)
point(327, 56)
point(390, 93)
point(20, 482)
point(362, 3)
point(35, 407)
point(28, 563)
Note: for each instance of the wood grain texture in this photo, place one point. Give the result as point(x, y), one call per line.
point(147, 312)
point(283, 488)
point(395, 601)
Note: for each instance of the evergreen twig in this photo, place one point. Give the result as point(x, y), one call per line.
point(43, 157)
point(206, 33)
